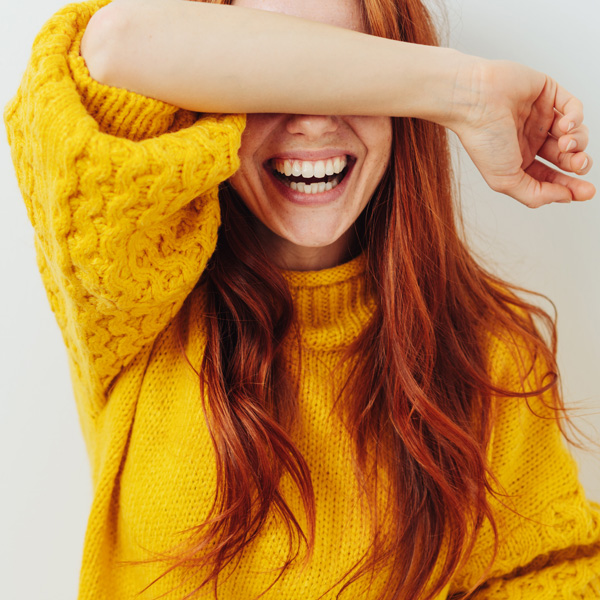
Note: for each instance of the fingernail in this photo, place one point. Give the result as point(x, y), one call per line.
point(584, 165)
point(563, 202)
point(571, 126)
point(571, 145)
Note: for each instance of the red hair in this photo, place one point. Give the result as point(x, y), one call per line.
point(421, 383)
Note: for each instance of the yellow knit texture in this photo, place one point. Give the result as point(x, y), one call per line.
point(122, 193)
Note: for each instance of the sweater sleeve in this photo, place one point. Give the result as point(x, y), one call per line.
point(548, 531)
point(122, 192)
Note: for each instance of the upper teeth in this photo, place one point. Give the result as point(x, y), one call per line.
point(308, 169)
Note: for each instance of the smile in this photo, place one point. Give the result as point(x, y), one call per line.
point(311, 177)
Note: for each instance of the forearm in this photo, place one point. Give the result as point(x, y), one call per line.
point(214, 58)
point(228, 59)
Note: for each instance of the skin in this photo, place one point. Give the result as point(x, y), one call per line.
point(315, 236)
point(313, 60)
point(305, 232)
point(310, 232)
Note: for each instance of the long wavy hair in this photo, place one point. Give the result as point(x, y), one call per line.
point(420, 385)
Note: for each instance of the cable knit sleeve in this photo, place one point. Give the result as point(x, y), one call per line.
point(122, 193)
point(549, 533)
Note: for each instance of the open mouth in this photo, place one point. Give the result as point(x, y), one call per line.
point(311, 177)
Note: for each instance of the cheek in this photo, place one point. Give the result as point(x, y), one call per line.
point(376, 134)
point(246, 154)
point(378, 139)
point(239, 182)
point(244, 179)
point(258, 132)
point(385, 137)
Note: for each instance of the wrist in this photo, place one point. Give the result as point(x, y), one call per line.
point(448, 88)
point(471, 88)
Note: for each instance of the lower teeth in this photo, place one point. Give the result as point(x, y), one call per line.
point(312, 188)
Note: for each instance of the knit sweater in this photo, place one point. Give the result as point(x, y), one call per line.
point(122, 193)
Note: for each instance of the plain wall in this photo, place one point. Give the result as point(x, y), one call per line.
point(46, 490)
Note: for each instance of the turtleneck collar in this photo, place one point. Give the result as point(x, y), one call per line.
point(332, 305)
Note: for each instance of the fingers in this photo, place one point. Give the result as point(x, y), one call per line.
point(578, 134)
point(575, 142)
point(565, 147)
point(564, 153)
point(561, 128)
point(541, 184)
point(571, 109)
point(552, 130)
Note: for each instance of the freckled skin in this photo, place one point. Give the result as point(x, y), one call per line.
point(312, 236)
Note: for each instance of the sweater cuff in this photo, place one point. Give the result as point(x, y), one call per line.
point(118, 112)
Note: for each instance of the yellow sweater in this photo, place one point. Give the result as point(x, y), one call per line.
point(122, 193)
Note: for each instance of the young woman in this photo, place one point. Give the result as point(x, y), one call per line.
point(293, 379)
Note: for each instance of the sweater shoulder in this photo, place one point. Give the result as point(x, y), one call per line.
point(122, 192)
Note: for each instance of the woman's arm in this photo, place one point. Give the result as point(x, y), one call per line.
point(122, 193)
point(215, 58)
point(220, 58)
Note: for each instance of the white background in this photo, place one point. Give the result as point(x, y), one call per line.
point(45, 487)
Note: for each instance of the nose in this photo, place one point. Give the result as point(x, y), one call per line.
point(312, 126)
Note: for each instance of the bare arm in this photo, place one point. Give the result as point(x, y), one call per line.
point(215, 58)
point(219, 58)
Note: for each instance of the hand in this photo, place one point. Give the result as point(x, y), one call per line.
point(508, 115)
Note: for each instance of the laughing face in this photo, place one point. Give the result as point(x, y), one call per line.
point(307, 178)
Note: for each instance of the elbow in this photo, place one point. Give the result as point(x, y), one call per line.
point(101, 41)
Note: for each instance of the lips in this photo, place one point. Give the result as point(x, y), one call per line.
point(310, 176)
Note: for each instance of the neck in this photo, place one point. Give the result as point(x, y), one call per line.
point(293, 257)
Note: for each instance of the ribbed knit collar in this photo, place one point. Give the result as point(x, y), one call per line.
point(332, 305)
